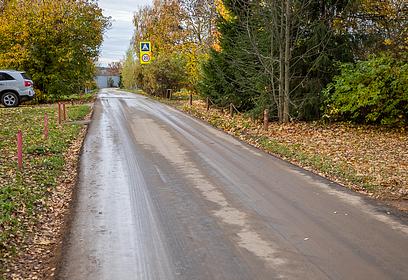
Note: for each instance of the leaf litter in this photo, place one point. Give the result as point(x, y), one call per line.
point(368, 159)
point(372, 160)
point(35, 200)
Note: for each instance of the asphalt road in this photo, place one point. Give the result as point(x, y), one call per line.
point(162, 195)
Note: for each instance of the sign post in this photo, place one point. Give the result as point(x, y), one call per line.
point(145, 52)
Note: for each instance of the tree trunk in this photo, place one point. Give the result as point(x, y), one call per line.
point(287, 61)
point(281, 66)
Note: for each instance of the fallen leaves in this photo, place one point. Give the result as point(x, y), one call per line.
point(35, 199)
point(372, 160)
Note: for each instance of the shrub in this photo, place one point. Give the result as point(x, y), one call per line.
point(161, 74)
point(110, 82)
point(372, 91)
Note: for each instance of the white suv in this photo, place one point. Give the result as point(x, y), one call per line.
point(15, 87)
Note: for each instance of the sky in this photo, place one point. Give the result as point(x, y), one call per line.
point(117, 39)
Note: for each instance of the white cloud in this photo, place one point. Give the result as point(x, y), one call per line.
point(125, 16)
point(117, 39)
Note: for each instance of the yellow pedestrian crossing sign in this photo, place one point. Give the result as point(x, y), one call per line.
point(145, 52)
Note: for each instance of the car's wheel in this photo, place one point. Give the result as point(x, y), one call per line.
point(10, 99)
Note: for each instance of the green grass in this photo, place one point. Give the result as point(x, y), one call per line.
point(84, 97)
point(76, 112)
point(23, 193)
point(323, 164)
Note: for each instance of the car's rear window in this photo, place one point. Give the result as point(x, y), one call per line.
point(25, 76)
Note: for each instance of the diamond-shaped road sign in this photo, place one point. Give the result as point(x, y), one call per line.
point(145, 52)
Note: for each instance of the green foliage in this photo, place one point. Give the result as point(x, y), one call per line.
point(55, 42)
point(218, 81)
point(120, 83)
point(75, 96)
point(128, 68)
point(110, 82)
point(372, 91)
point(233, 76)
point(161, 74)
point(319, 68)
point(249, 69)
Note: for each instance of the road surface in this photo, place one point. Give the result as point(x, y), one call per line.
point(162, 195)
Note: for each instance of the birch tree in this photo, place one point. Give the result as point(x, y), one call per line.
point(127, 71)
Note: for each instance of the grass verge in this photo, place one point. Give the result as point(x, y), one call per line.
point(25, 194)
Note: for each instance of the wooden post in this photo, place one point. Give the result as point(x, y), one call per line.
point(59, 113)
point(63, 109)
point(191, 99)
point(72, 102)
point(168, 94)
point(19, 150)
point(45, 126)
point(208, 103)
point(231, 110)
point(266, 121)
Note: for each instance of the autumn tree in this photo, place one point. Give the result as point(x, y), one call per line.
point(56, 42)
point(161, 24)
point(272, 52)
point(201, 36)
point(376, 26)
point(129, 63)
point(163, 73)
point(177, 28)
point(3, 4)
point(113, 69)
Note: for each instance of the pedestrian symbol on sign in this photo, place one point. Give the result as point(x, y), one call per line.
point(145, 52)
point(145, 47)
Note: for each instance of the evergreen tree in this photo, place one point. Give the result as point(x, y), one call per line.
point(275, 55)
point(228, 74)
